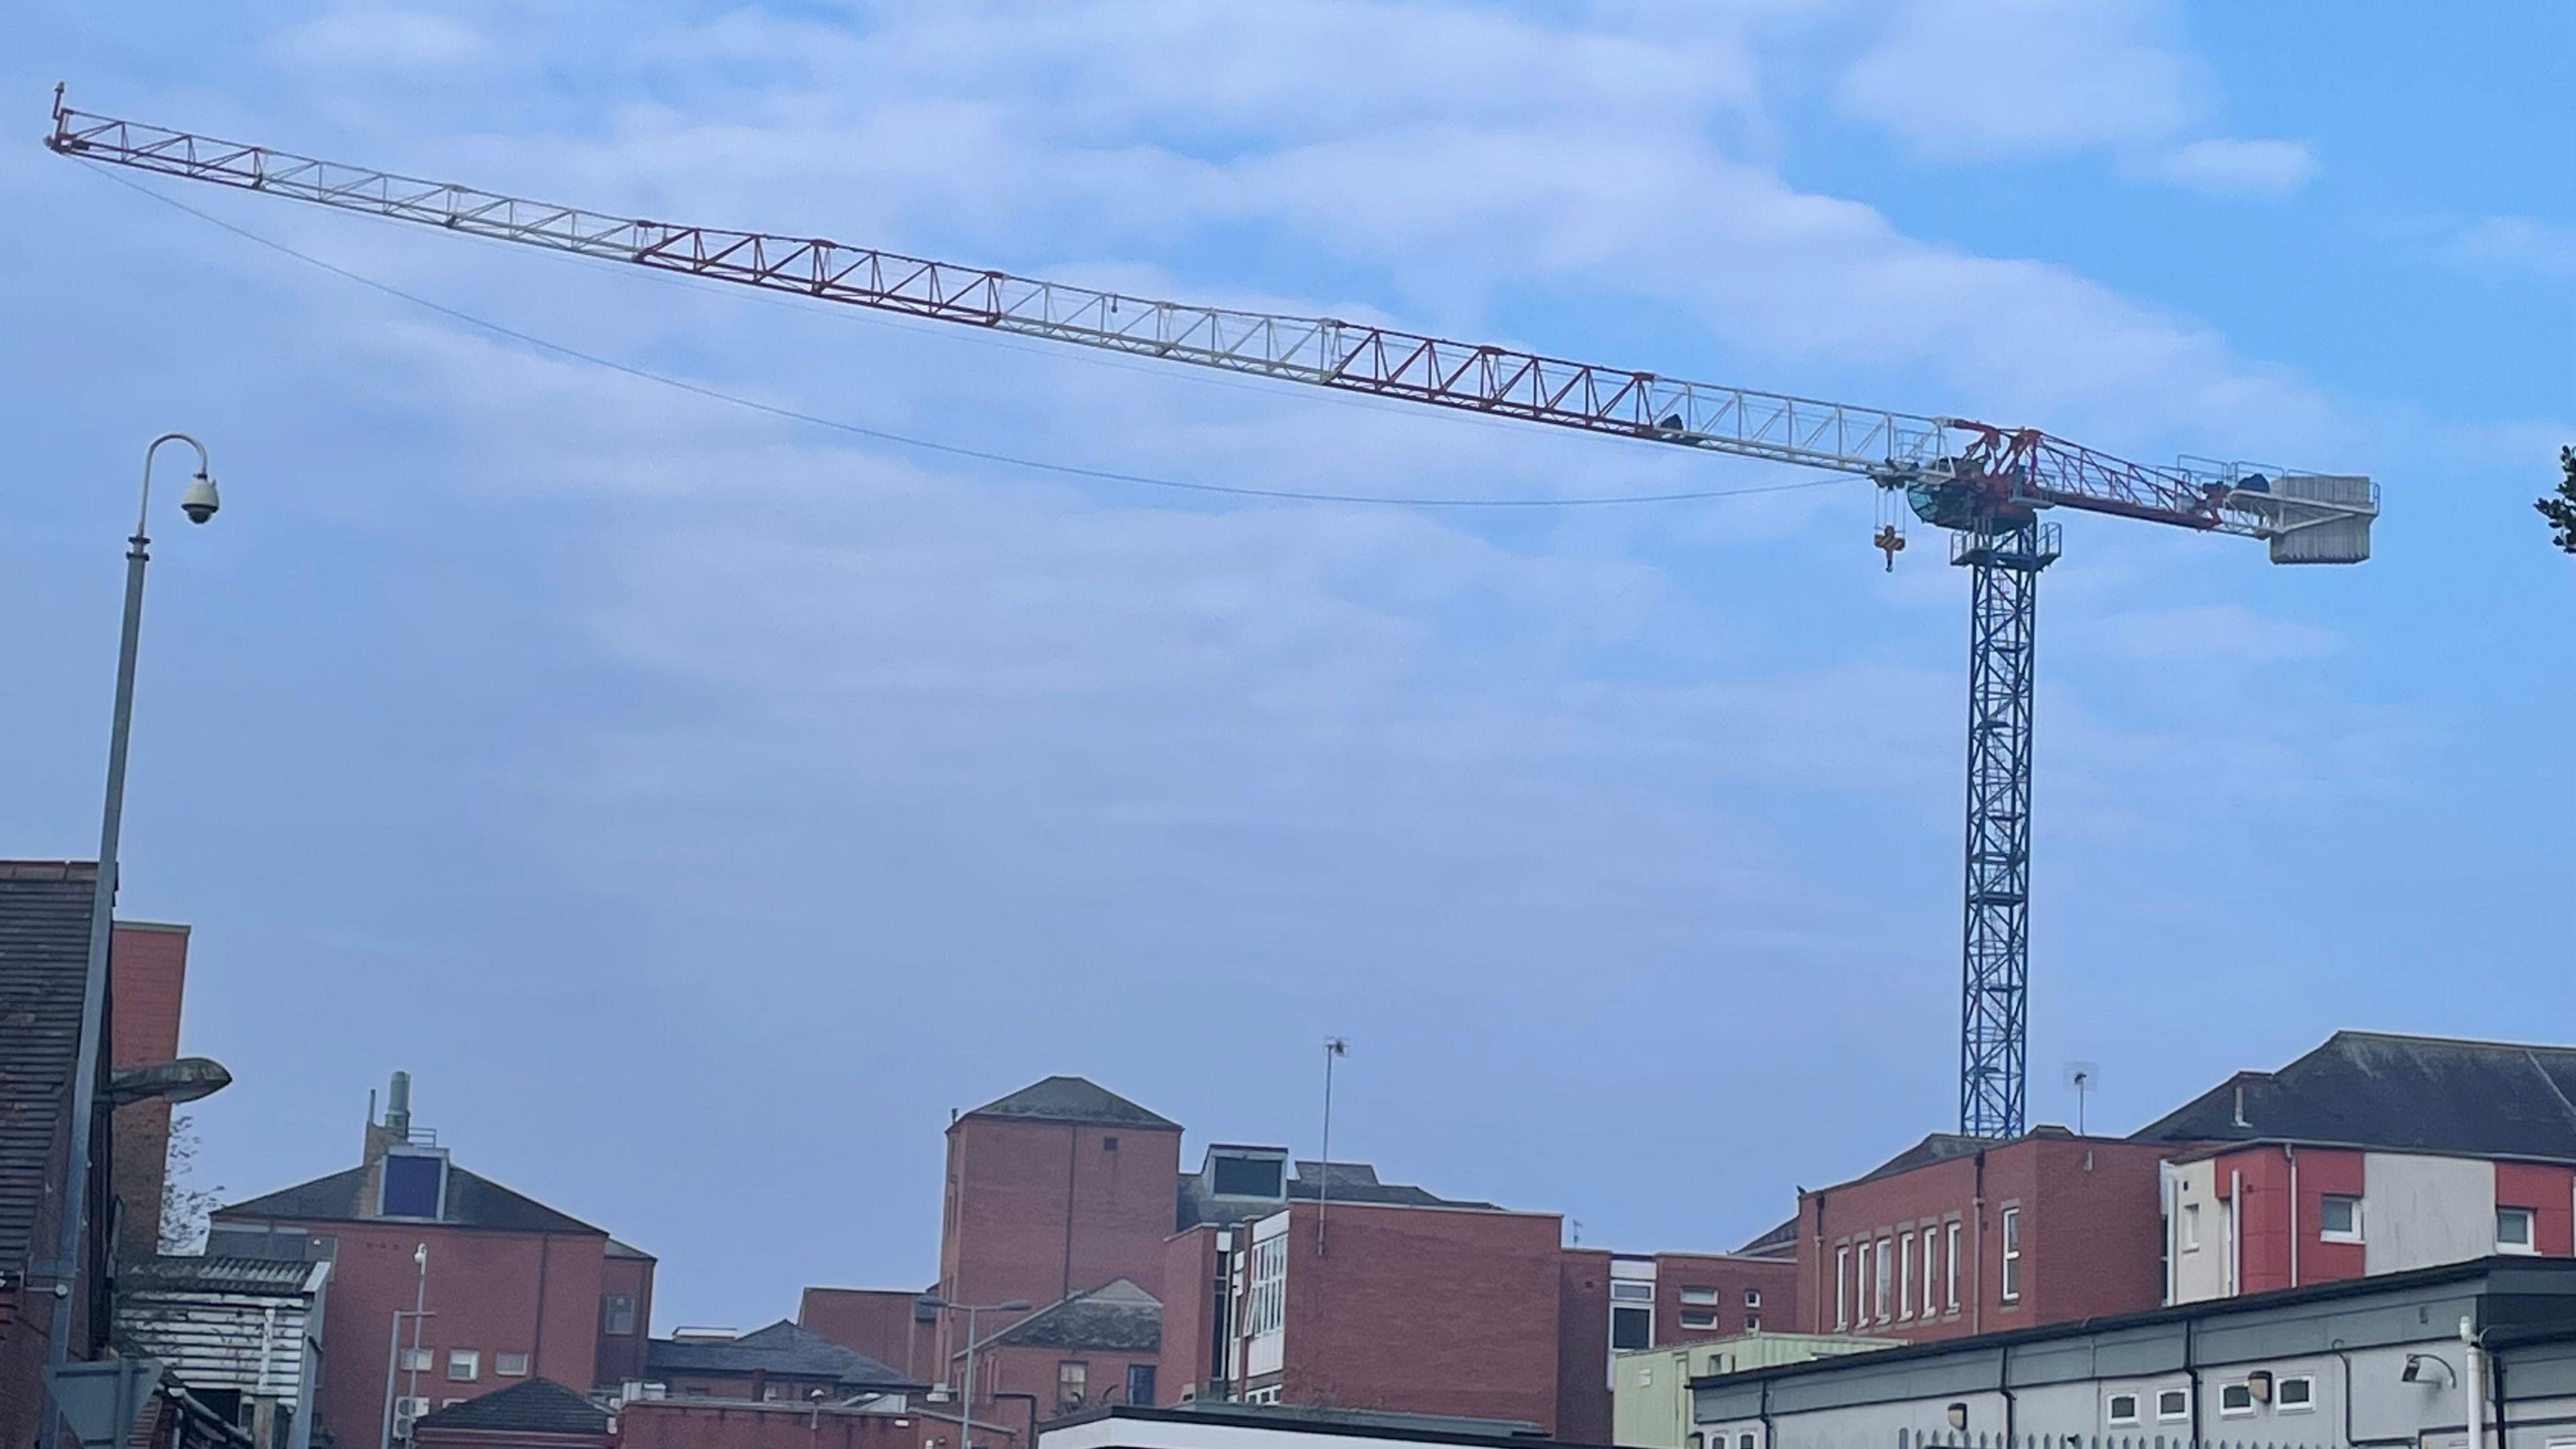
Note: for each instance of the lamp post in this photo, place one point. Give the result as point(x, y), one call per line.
point(417, 1313)
point(966, 1387)
point(199, 504)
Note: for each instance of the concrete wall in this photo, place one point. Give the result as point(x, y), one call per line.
point(2417, 1211)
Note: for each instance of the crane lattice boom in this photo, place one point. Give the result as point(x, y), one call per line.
point(1988, 484)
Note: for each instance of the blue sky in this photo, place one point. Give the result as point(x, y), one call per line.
point(701, 805)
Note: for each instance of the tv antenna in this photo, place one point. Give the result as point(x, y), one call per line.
point(2085, 1078)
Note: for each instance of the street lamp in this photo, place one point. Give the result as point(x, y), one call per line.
point(966, 1389)
point(199, 504)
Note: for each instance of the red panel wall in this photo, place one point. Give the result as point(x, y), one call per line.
point(2546, 1190)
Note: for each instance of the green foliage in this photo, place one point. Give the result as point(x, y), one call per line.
point(2560, 508)
point(184, 1205)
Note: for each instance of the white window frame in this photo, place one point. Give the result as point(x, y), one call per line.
point(2009, 1235)
point(2281, 1395)
point(1699, 1296)
point(1698, 1318)
point(2111, 1414)
point(1879, 1271)
point(1752, 1297)
point(1860, 1285)
point(2181, 1409)
point(501, 1365)
point(1266, 1312)
point(1950, 1277)
point(2329, 1235)
point(2530, 1230)
point(470, 1359)
point(420, 1360)
point(2238, 1387)
point(1842, 1287)
point(1752, 1324)
point(1931, 1239)
point(1905, 1275)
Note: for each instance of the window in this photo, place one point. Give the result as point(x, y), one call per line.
point(2235, 1400)
point(1268, 1312)
point(2513, 1230)
point(1140, 1383)
point(1950, 1270)
point(1072, 1381)
point(1744, 1441)
point(2294, 1396)
point(2012, 1255)
point(510, 1365)
point(1108, 1144)
point(419, 1360)
point(463, 1365)
point(2122, 1411)
point(2187, 1228)
point(1752, 1297)
point(1632, 1291)
point(413, 1185)
point(1248, 1176)
point(2172, 1404)
point(1879, 1283)
point(1905, 1275)
point(617, 1313)
point(1752, 1324)
point(1927, 1271)
point(1842, 1286)
point(1632, 1327)
point(1694, 1294)
point(2339, 1218)
point(1699, 1318)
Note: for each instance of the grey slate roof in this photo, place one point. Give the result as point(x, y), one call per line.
point(783, 1349)
point(44, 953)
point(2397, 1093)
point(1351, 1182)
point(617, 1249)
point(1780, 1242)
point(1075, 1099)
point(535, 1406)
point(1118, 1317)
point(473, 1201)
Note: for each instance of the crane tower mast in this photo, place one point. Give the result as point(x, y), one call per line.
point(1989, 486)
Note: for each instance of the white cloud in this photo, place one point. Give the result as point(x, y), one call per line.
point(2225, 167)
point(2527, 245)
point(396, 40)
point(1978, 79)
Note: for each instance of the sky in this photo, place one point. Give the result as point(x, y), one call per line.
point(703, 804)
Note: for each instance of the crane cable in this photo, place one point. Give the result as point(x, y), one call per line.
point(933, 445)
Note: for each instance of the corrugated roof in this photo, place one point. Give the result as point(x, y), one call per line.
point(473, 1201)
point(2396, 1093)
point(783, 1348)
point(44, 953)
point(1074, 1099)
point(533, 1406)
point(221, 1275)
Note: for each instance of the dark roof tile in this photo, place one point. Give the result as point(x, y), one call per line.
point(536, 1406)
point(44, 955)
point(1074, 1099)
point(473, 1201)
point(1116, 1317)
point(2396, 1093)
point(783, 1348)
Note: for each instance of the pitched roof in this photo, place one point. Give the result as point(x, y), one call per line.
point(534, 1406)
point(473, 1201)
point(618, 1249)
point(1780, 1242)
point(2397, 1093)
point(1117, 1316)
point(1355, 1182)
point(782, 1348)
point(44, 956)
point(1074, 1099)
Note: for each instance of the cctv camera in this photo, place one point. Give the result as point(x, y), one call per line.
point(200, 502)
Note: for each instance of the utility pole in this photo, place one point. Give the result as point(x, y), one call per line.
point(393, 1345)
point(1334, 1049)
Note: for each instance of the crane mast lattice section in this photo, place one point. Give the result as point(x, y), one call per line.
point(2003, 591)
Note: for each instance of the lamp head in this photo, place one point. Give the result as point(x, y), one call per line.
point(200, 501)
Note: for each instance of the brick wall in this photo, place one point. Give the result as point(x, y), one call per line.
point(620, 1356)
point(1426, 1310)
point(676, 1424)
point(1583, 1345)
point(147, 977)
point(878, 1322)
point(1739, 1294)
point(1188, 1290)
point(1049, 1209)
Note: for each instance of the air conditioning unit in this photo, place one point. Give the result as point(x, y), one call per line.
point(405, 1411)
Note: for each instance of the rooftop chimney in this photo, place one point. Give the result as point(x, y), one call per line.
point(398, 1107)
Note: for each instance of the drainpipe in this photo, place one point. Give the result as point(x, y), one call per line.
point(2291, 1151)
point(1977, 1318)
point(2473, 1383)
point(1762, 1413)
point(2235, 1212)
point(2337, 1348)
point(2191, 1372)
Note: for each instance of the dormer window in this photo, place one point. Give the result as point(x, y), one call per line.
point(414, 1185)
point(1255, 1173)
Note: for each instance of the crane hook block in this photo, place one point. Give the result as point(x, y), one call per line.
point(1889, 542)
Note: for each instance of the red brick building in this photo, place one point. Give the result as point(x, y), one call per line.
point(515, 1289)
point(1148, 1284)
point(147, 968)
point(1963, 1235)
